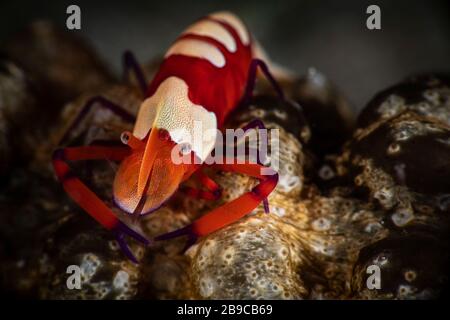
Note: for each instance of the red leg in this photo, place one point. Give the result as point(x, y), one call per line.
point(212, 192)
point(233, 210)
point(87, 199)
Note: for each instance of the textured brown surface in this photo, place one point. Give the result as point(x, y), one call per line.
point(331, 215)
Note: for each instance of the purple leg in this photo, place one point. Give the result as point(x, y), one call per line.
point(103, 102)
point(175, 234)
point(121, 230)
point(190, 242)
point(252, 80)
point(257, 123)
point(186, 231)
point(130, 63)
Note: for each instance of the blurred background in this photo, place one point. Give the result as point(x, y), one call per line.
point(328, 35)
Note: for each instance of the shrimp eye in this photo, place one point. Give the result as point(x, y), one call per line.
point(125, 137)
point(185, 148)
point(163, 135)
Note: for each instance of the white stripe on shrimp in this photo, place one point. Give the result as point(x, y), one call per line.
point(199, 49)
point(171, 109)
point(213, 30)
point(235, 22)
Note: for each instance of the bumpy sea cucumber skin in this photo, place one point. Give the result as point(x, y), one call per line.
point(315, 246)
point(398, 160)
point(299, 250)
point(312, 245)
point(257, 256)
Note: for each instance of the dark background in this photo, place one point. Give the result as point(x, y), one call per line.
point(328, 35)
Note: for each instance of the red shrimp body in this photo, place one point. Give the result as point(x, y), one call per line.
point(218, 89)
point(201, 79)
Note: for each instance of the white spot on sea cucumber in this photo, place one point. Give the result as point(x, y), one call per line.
point(288, 182)
point(279, 211)
point(402, 217)
point(321, 224)
point(207, 287)
point(121, 279)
